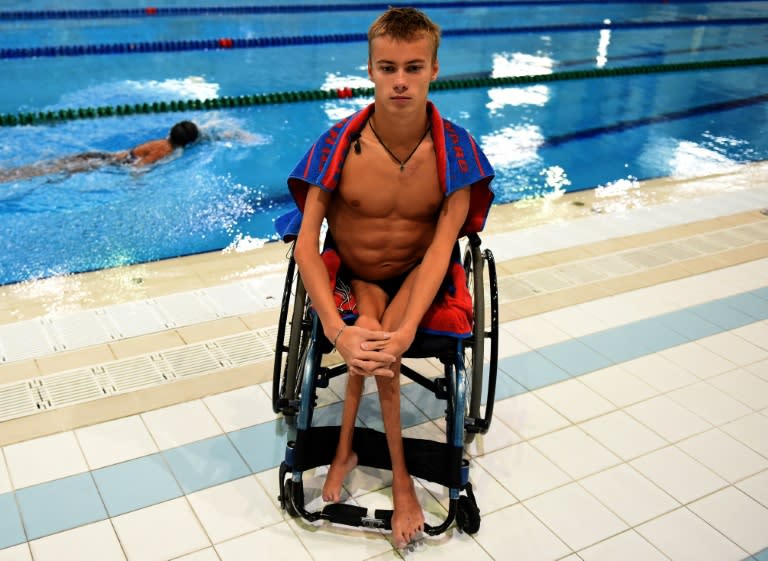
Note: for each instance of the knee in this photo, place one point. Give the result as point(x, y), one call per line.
point(389, 324)
point(368, 322)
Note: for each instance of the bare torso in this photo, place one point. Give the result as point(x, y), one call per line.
point(383, 219)
point(152, 151)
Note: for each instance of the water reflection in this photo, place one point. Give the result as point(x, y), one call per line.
point(139, 91)
point(602, 46)
point(680, 159)
point(515, 97)
point(513, 146)
point(519, 64)
point(556, 179)
point(338, 109)
point(690, 159)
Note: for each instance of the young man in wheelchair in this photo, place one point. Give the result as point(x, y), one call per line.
point(397, 185)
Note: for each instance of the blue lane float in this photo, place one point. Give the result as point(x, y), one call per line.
point(266, 42)
point(301, 8)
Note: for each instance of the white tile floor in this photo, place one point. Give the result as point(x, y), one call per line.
point(661, 457)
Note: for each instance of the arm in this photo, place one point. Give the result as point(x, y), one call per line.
point(317, 283)
point(432, 270)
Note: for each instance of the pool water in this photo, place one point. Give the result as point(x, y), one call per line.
point(225, 191)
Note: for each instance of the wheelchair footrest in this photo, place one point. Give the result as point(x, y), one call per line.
point(351, 515)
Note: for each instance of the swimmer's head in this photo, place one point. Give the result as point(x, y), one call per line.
point(405, 24)
point(183, 133)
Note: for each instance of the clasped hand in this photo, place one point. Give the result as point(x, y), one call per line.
point(370, 353)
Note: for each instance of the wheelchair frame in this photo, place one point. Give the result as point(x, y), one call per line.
point(298, 373)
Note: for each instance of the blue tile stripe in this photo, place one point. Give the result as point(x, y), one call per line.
point(136, 484)
point(11, 532)
point(206, 463)
point(59, 505)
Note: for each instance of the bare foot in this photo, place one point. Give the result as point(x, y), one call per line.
point(339, 469)
point(407, 517)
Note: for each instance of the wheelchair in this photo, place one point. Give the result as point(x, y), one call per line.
point(467, 383)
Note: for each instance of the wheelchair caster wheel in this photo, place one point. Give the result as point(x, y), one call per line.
point(467, 516)
point(294, 494)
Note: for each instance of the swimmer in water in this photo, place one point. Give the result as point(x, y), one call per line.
point(181, 134)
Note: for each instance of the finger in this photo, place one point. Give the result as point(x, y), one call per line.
point(384, 357)
point(356, 368)
point(379, 357)
point(373, 369)
point(366, 366)
point(373, 345)
point(384, 371)
point(371, 365)
point(376, 335)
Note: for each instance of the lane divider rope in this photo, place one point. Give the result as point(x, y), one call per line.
point(151, 11)
point(226, 102)
point(285, 41)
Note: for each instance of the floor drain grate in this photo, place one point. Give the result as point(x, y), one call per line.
point(72, 387)
point(251, 347)
point(18, 400)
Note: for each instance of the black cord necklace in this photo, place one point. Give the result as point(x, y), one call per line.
point(398, 160)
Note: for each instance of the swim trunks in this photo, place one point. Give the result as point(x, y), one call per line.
point(345, 276)
point(449, 314)
point(390, 286)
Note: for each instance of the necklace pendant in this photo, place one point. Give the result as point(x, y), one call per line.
point(392, 154)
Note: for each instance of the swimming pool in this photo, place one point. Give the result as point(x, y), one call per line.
point(542, 138)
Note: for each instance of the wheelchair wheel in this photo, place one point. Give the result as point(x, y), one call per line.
point(475, 351)
point(297, 342)
point(480, 269)
point(288, 354)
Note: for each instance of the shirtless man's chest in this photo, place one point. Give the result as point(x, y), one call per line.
point(383, 218)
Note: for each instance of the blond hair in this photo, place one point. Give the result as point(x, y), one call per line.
point(405, 24)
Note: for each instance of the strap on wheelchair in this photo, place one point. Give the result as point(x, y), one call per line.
point(427, 459)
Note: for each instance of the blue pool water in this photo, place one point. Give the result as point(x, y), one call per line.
point(227, 190)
